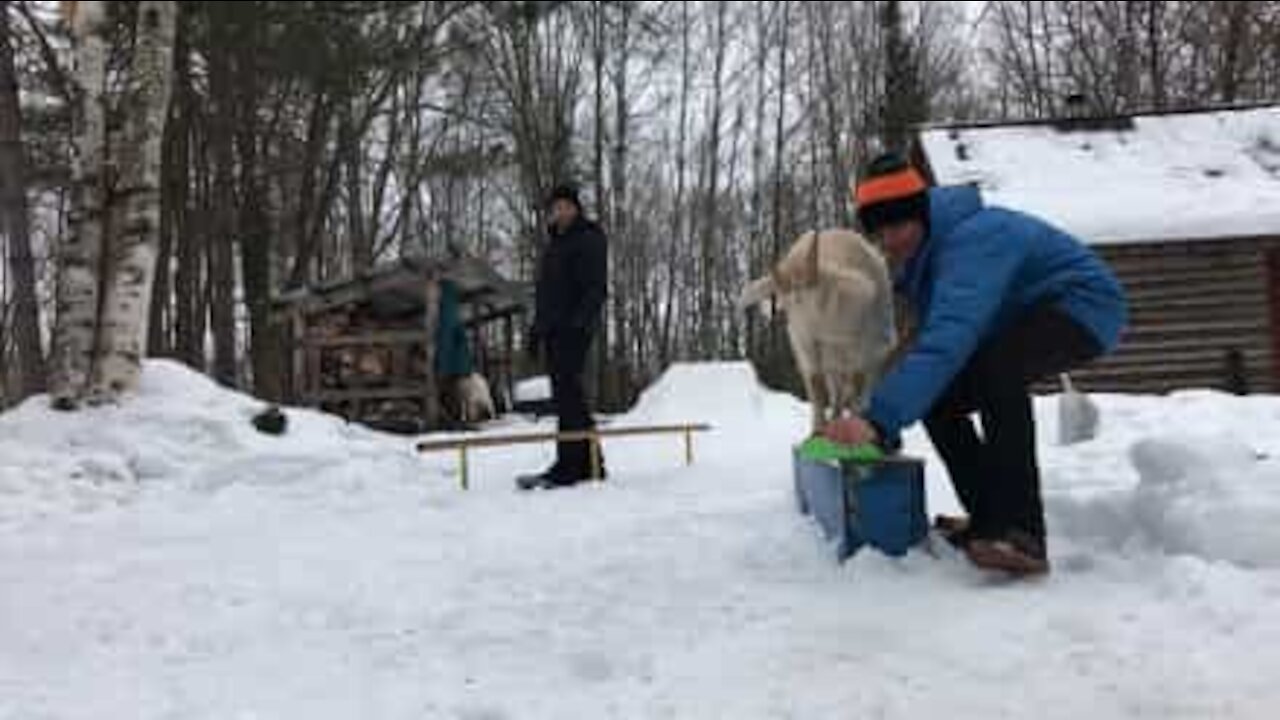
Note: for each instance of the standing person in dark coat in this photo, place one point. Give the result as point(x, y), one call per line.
point(571, 291)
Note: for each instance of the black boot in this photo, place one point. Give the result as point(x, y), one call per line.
point(546, 478)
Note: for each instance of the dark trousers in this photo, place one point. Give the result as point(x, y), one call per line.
point(567, 358)
point(996, 476)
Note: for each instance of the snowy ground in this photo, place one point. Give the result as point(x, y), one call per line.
point(162, 560)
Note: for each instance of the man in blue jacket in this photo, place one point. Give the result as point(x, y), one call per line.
point(1003, 299)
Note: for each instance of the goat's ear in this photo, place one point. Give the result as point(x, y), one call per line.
point(811, 266)
point(756, 292)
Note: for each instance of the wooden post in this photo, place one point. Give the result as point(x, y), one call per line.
point(297, 339)
point(463, 480)
point(688, 445)
point(399, 364)
point(312, 384)
point(508, 328)
point(594, 445)
point(431, 402)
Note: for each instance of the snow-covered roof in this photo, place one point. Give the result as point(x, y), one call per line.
point(1179, 176)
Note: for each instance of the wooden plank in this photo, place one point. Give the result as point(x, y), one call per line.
point(1214, 366)
point(536, 438)
point(1239, 300)
point(1176, 291)
point(431, 322)
point(1184, 343)
point(1181, 247)
point(1126, 359)
point(378, 337)
point(410, 392)
point(1148, 267)
point(1201, 297)
point(1222, 328)
point(1161, 381)
point(1244, 304)
point(491, 316)
point(1157, 279)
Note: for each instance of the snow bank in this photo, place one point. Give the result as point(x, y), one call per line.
point(1210, 490)
point(723, 394)
point(1210, 497)
point(180, 430)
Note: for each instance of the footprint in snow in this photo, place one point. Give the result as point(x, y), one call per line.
point(591, 666)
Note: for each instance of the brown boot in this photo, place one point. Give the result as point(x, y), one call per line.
point(1016, 552)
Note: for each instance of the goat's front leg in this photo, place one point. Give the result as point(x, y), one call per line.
point(858, 388)
point(816, 388)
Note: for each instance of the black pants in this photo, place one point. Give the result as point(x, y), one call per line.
point(567, 357)
point(997, 476)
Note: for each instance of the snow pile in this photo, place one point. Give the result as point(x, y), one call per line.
point(180, 431)
point(723, 394)
point(1121, 185)
point(1211, 490)
point(1209, 497)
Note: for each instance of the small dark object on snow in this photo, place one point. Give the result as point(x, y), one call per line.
point(1237, 374)
point(271, 421)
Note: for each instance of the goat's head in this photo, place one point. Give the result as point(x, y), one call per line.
point(795, 273)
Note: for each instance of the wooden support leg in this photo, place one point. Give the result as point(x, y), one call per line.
point(463, 480)
point(688, 446)
point(594, 444)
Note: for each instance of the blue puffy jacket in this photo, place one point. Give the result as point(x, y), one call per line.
point(979, 268)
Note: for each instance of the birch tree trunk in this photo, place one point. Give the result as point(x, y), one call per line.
point(80, 254)
point(127, 290)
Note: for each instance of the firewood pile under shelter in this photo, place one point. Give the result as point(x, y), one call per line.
point(387, 349)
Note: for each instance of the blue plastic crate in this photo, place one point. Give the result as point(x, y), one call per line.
point(857, 504)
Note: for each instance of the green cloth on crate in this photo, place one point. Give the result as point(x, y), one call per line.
point(453, 352)
point(820, 449)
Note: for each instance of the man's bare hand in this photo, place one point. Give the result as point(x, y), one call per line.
point(851, 431)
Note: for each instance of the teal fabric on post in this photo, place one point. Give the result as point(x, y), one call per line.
point(453, 353)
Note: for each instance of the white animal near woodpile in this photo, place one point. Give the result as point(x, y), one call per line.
point(837, 297)
point(475, 399)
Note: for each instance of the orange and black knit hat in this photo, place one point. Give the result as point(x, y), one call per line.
point(889, 192)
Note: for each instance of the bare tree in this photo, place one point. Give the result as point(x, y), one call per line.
point(15, 235)
point(711, 219)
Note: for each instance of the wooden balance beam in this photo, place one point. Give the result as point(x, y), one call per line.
point(465, 445)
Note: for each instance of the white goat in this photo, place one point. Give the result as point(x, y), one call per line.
point(475, 401)
point(835, 291)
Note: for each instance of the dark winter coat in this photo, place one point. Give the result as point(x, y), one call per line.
point(572, 281)
point(979, 268)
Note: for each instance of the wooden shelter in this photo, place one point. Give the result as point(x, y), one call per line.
point(366, 349)
point(1184, 206)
